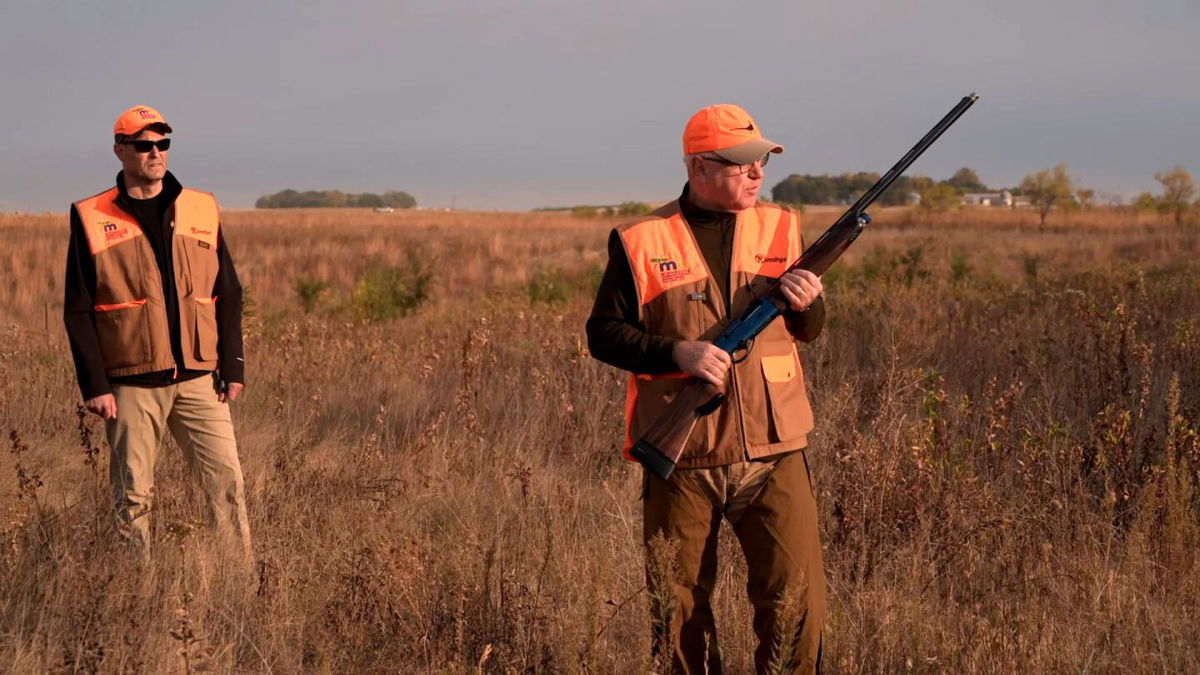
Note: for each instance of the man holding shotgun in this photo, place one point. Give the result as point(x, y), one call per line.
point(673, 278)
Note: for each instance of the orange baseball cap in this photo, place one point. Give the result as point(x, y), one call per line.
point(728, 131)
point(133, 121)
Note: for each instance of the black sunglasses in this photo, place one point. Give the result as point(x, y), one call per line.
point(163, 145)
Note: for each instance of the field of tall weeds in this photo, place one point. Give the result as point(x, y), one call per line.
point(1006, 458)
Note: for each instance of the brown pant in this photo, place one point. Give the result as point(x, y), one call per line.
point(204, 430)
point(771, 507)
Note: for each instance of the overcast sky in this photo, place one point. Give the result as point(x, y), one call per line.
point(516, 104)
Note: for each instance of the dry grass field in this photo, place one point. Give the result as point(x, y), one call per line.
point(1006, 457)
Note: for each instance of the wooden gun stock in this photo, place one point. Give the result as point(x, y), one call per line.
point(661, 446)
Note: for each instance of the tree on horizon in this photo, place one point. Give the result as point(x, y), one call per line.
point(293, 199)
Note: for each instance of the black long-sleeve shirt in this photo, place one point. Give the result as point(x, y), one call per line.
point(616, 335)
point(152, 216)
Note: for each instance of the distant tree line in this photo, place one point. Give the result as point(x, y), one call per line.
point(1047, 190)
point(293, 199)
point(589, 210)
point(847, 187)
point(1055, 189)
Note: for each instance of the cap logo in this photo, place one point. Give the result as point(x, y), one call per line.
point(146, 114)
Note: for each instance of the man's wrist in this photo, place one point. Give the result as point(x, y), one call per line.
point(671, 344)
point(96, 393)
point(234, 372)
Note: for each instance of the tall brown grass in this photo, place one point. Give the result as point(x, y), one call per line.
point(1006, 459)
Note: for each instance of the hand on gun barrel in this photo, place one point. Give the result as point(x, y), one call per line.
point(800, 288)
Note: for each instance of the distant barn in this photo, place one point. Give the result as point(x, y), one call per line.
point(1002, 198)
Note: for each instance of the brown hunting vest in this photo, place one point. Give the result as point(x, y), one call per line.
point(766, 409)
point(130, 311)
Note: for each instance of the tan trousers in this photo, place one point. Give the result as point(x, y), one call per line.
point(203, 428)
point(771, 507)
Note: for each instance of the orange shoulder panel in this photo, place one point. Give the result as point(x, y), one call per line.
point(768, 240)
point(104, 224)
point(662, 255)
point(197, 216)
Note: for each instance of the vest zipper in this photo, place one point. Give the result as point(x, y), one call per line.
point(725, 309)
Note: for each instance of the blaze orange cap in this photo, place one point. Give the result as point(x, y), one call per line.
point(728, 131)
point(133, 121)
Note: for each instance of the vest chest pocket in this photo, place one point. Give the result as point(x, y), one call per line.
point(786, 398)
point(203, 263)
point(196, 264)
point(122, 330)
point(206, 329)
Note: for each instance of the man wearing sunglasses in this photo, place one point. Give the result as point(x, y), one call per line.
point(672, 278)
point(153, 312)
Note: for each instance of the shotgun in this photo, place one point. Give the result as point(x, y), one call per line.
point(661, 445)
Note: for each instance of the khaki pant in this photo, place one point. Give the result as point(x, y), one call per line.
point(771, 507)
point(203, 428)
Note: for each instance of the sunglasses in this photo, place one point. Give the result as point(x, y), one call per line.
point(741, 168)
point(163, 145)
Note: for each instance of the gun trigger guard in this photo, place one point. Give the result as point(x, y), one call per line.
point(741, 354)
point(710, 406)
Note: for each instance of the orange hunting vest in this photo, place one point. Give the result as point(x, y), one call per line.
point(766, 409)
point(130, 310)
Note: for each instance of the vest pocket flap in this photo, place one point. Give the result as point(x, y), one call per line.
point(119, 305)
point(659, 391)
point(205, 301)
point(779, 368)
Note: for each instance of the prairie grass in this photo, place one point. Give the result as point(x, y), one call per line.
point(1006, 459)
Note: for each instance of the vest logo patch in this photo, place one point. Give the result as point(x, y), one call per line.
point(760, 259)
point(196, 230)
point(112, 230)
point(669, 270)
